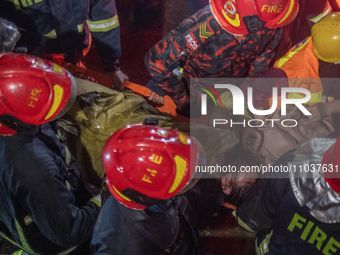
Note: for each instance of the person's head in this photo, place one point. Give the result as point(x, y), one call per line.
point(326, 38)
point(330, 166)
point(237, 184)
point(147, 164)
point(241, 17)
point(32, 92)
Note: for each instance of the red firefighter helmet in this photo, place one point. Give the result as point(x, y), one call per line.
point(240, 17)
point(330, 166)
point(145, 164)
point(32, 91)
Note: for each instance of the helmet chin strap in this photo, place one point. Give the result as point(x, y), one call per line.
point(253, 23)
point(15, 124)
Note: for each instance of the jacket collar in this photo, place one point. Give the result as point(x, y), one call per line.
point(310, 188)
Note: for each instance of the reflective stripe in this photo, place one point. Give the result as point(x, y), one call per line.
point(97, 200)
point(17, 252)
point(315, 97)
point(68, 156)
point(16, 4)
point(68, 186)
point(178, 72)
point(26, 3)
point(242, 223)
point(263, 248)
point(51, 35)
point(28, 220)
point(11, 241)
point(321, 15)
point(284, 59)
point(80, 28)
point(103, 25)
point(30, 250)
point(68, 251)
point(24, 243)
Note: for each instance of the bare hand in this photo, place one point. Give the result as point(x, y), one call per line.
point(118, 78)
point(156, 98)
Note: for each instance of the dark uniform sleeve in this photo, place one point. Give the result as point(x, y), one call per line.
point(163, 59)
point(117, 231)
point(103, 24)
point(263, 61)
point(260, 206)
point(42, 191)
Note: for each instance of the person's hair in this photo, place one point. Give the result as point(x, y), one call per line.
point(247, 157)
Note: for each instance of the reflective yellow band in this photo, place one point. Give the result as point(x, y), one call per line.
point(263, 248)
point(283, 60)
point(24, 243)
point(243, 224)
point(16, 4)
point(97, 200)
point(11, 241)
point(28, 220)
point(68, 251)
point(51, 35)
point(321, 15)
point(315, 97)
point(58, 95)
point(181, 166)
point(17, 252)
point(26, 3)
point(103, 25)
point(68, 156)
point(80, 28)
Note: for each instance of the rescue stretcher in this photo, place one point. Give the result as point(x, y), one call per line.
point(169, 106)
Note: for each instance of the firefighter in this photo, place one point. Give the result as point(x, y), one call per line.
point(317, 56)
point(151, 178)
point(309, 64)
point(44, 206)
point(233, 38)
point(66, 28)
point(298, 213)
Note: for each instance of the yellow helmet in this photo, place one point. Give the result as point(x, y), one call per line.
point(326, 38)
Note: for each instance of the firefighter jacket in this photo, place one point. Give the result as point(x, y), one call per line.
point(200, 48)
point(299, 68)
point(44, 206)
point(166, 228)
point(299, 214)
point(49, 26)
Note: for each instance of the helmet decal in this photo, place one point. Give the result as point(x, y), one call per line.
point(58, 95)
point(229, 12)
point(232, 15)
point(290, 9)
point(181, 165)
